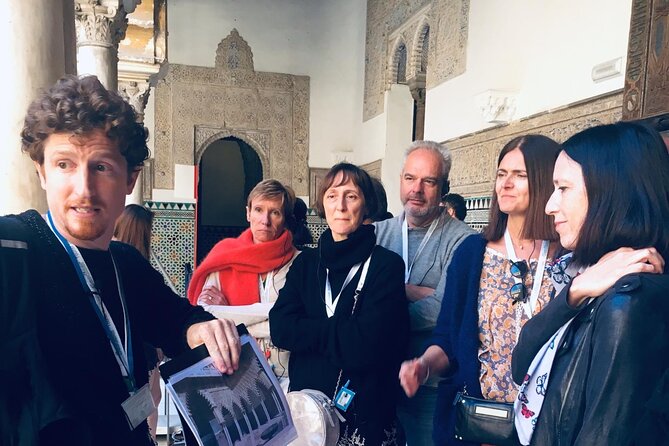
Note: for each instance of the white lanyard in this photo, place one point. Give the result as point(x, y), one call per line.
point(122, 351)
point(265, 286)
point(530, 304)
point(331, 305)
point(405, 245)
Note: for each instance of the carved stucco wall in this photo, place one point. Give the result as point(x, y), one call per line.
point(475, 155)
point(198, 105)
point(393, 22)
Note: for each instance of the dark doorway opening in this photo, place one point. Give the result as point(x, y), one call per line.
point(228, 170)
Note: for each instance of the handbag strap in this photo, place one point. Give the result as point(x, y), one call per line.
point(356, 294)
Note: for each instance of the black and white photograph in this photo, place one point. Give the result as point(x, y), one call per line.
point(245, 408)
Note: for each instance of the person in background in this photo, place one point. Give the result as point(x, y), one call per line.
point(343, 312)
point(241, 277)
point(382, 200)
point(593, 366)
point(134, 228)
point(455, 206)
point(426, 237)
point(301, 234)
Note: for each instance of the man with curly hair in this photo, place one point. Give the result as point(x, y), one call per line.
point(76, 307)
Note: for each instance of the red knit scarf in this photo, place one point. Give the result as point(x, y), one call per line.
point(239, 262)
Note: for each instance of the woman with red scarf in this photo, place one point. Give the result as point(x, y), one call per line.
point(241, 277)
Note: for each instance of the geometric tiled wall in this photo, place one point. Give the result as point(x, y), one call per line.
point(316, 226)
point(477, 212)
point(173, 239)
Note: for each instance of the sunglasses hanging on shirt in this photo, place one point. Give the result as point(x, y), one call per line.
point(518, 290)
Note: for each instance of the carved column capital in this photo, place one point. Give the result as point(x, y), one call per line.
point(418, 95)
point(100, 22)
point(137, 94)
point(417, 87)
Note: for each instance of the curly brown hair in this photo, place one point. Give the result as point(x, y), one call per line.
point(80, 106)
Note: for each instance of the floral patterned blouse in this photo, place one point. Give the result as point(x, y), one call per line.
point(498, 323)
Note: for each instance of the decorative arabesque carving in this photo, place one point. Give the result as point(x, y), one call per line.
point(397, 68)
point(421, 49)
point(147, 180)
point(100, 22)
point(647, 77)
point(137, 94)
point(234, 53)
point(475, 155)
point(409, 66)
point(444, 22)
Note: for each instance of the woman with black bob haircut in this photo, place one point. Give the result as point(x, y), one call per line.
point(593, 365)
point(343, 312)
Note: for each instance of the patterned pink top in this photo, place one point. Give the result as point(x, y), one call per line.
point(497, 323)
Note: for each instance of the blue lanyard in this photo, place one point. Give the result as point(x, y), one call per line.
point(123, 356)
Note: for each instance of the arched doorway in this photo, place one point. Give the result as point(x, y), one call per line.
point(229, 168)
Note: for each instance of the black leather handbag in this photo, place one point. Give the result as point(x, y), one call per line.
point(484, 421)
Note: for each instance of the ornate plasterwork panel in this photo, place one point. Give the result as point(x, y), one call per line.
point(391, 23)
point(475, 155)
point(270, 111)
point(448, 35)
point(233, 53)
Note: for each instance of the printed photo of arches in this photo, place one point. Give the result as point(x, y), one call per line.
point(245, 408)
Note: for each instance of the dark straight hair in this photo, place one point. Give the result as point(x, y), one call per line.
point(626, 174)
point(539, 153)
point(358, 176)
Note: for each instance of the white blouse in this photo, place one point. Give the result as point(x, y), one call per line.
point(254, 316)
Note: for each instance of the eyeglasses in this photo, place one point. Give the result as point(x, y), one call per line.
point(518, 290)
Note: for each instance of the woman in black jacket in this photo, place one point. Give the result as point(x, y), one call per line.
point(593, 369)
point(336, 337)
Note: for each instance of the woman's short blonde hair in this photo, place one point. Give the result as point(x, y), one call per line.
point(273, 190)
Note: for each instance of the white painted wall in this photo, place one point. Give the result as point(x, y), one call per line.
point(399, 120)
point(322, 39)
point(544, 50)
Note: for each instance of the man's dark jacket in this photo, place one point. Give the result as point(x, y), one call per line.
point(55, 341)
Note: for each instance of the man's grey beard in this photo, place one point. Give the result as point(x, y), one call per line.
point(423, 212)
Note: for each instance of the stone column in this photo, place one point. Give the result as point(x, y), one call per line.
point(137, 94)
point(33, 33)
point(101, 25)
point(417, 88)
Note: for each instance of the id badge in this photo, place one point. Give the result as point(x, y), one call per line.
point(344, 397)
point(138, 406)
